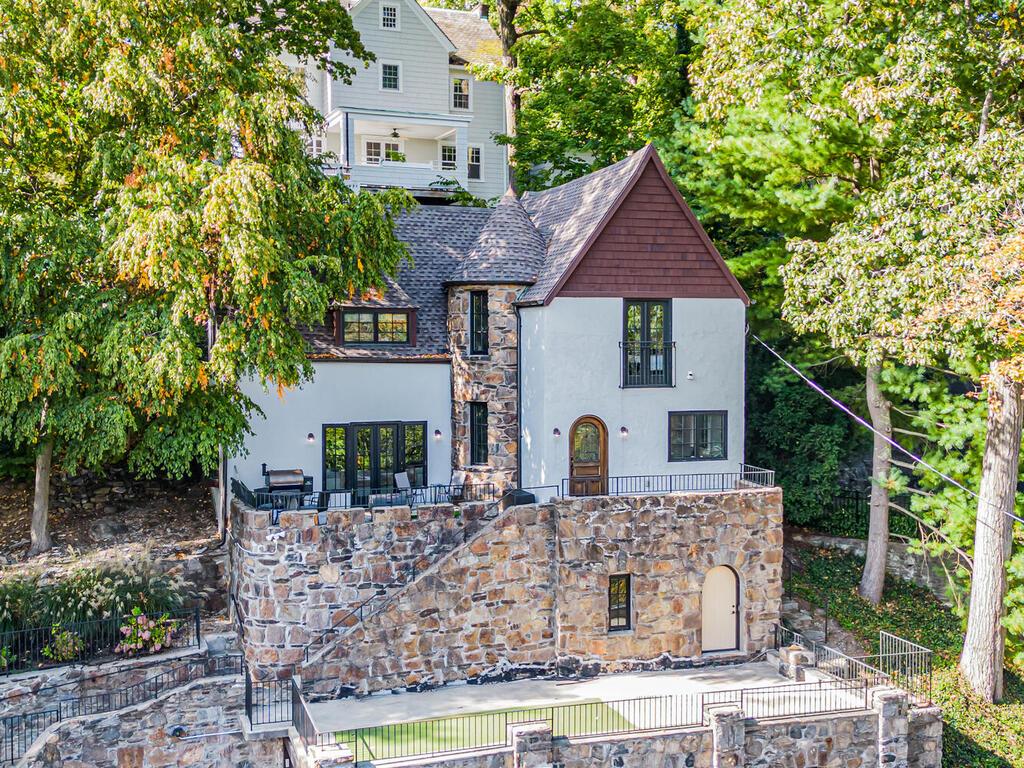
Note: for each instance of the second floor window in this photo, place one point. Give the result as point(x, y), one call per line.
point(619, 617)
point(475, 167)
point(388, 16)
point(647, 344)
point(371, 327)
point(460, 93)
point(478, 323)
point(478, 433)
point(695, 435)
point(390, 76)
point(448, 157)
point(314, 145)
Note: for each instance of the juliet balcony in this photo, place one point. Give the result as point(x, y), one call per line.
point(647, 364)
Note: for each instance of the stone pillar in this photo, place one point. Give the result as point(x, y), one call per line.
point(531, 745)
point(793, 660)
point(728, 735)
point(925, 737)
point(893, 728)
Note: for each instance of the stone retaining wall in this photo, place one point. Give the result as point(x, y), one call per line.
point(143, 736)
point(529, 594)
point(901, 560)
point(297, 578)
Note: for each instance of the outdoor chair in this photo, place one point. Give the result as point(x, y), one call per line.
point(402, 483)
point(455, 490)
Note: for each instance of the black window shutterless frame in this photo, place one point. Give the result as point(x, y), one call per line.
point(619, 603)
point(478, 323)
point(396, 461)
point(478, 448)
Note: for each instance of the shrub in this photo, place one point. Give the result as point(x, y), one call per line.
point(64, 645)
point(89, 593)
point(141, 634)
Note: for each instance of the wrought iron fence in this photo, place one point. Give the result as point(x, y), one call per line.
point(898, 662)
point(267, 701)
point(489, 730)
point(318, 502)
point(87, 641)
point(647, 364)
point(18, 732)
point(631, 485)
point(301, 720)
point(849, 514)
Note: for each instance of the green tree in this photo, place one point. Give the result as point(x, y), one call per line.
point(163, 234)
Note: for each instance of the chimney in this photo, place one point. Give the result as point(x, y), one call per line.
point(484, 9)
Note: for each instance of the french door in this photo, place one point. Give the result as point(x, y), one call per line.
point(364, 457)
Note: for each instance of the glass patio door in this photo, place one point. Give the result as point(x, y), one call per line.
point(374, 459)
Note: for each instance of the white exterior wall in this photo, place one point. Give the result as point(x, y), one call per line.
point(487, 105)
point(341, 393)
point(571, 365)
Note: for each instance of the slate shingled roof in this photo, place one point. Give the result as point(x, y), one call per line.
point(438, 239)
point(509, 249)
point(474, 40)
point(568, 214)
point(535, 242)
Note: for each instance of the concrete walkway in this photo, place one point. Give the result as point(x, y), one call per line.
point(388, 709)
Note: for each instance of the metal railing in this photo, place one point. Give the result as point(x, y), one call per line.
point(19, 732)
point(489, 730)
point(315, 502)
point(372, 604)
point(899, 662)
point(80, 642)
point(267, 701)
point(301, 720)
point(647, 364)
point(630, 485)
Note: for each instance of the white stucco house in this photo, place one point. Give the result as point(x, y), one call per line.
point(586, 339)
point(416, 117)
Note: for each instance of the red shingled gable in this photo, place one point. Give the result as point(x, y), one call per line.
point(650, 245)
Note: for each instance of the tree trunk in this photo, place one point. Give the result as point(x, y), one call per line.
point(40, 537)
point(507, 34)
point(982, 657)
point(873, 579)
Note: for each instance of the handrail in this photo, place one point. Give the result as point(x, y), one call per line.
point(359, 612)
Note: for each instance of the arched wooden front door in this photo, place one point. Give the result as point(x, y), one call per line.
point(719, 606)
point(588, 457)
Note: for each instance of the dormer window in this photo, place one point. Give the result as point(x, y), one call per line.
point(460, 93)
point(370, 326)
point(388, 16)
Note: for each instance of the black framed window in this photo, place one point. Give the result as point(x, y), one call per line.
point(619, 617)
point(360, 326)
point(365, 456)
point(478, 323)
point(478, 433)
point(696, 435)
point(647, 343)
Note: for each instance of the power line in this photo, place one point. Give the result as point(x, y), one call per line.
point(864, 423)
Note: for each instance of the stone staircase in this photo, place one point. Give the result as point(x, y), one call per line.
point(319, 648)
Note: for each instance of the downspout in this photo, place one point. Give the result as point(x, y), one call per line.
point(519, 398)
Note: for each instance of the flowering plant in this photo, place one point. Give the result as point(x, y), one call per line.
point(64, 645)
point(142, 634)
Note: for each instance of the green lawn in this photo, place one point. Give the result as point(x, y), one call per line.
point(477, 730)
point(976, 734)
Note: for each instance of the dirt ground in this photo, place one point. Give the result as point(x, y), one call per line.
point(89, 524)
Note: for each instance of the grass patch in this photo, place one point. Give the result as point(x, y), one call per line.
point(478, 730)
point(976, 733)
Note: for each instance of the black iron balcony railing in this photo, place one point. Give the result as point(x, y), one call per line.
point(647, 364)
point(748, 476)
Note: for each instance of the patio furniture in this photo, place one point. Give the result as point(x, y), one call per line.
point(387, 500)
point(417, 495)
point(455, 490)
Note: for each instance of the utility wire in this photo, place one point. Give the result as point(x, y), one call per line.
point(864, 423)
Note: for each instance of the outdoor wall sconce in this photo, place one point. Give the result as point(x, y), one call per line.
point(556, 432)
point(437, 434)
point(624, 432)
point(310, 438)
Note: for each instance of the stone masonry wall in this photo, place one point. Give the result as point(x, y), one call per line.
point(295, 579)
point(492, 378)
point(529, 592)
point(667, 546)
point(141, 737)
point(485, 611)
